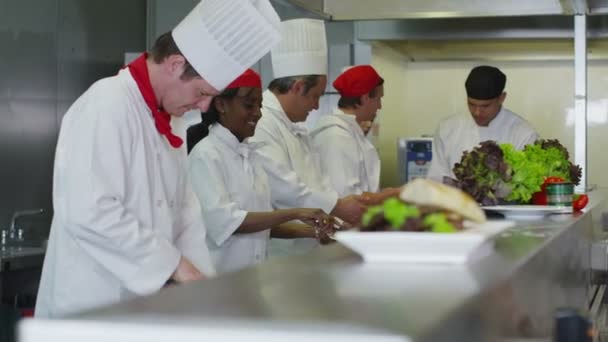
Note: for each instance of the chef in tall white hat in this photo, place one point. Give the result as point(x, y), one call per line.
point(125, 219)
point(299, 64)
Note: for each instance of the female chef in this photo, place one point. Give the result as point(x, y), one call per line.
point(232, 186)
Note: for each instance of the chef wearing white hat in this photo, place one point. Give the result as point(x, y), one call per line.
point(126, 220)
point(299, 64)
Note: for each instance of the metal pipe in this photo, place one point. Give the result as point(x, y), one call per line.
point(580, 97)
point(20, 213)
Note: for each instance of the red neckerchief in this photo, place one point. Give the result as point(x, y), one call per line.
point(139, 70)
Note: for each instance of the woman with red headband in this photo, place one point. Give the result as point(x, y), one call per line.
point(232, 186)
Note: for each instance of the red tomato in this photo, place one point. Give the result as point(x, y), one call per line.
point(579, 202)
point(539, 198)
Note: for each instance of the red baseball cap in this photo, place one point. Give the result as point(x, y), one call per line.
point(357, 81)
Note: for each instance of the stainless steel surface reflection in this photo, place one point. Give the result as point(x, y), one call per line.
point(510, 294)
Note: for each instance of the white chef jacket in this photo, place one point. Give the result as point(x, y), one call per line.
point(229, 182)
point(460, 133)
point(349, 159)
point(124, 210)
point(293, 169)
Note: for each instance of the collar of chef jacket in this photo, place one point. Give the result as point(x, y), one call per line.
point(496, 123)
point(351, 121)
point(245, 149)
point(272, 104)
point(370, 154)
point(495, 129)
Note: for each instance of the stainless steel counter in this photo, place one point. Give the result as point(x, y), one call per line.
point(512, 292)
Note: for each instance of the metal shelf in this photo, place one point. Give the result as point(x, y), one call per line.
point(411, 9)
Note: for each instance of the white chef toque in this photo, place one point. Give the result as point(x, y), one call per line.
point(222, 38)
point(302, 50)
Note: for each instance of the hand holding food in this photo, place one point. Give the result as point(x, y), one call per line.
point(374, 198)
point(349, 209)
point(324, 225)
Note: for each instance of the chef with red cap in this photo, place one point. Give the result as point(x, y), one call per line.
point(232, 186)
point(126, 220)
point(347, 156)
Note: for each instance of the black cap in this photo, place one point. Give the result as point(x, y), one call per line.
point(485, 82)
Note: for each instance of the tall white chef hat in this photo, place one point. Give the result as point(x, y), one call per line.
point(302, 50)
point(222, 38)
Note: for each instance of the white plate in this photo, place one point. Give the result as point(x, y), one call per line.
point(421, 247)
point(528, 211)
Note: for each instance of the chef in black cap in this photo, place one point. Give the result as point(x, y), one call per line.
point(489, 120)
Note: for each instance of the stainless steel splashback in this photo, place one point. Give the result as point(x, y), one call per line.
point(50, 52)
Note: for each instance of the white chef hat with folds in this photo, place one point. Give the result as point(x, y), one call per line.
point(302, 50)
point(222, 38)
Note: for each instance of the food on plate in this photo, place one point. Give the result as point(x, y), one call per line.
point(494, 173)
point(424, 205)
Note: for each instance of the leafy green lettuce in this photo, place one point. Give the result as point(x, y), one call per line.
point(493, 173)
point(394, 211)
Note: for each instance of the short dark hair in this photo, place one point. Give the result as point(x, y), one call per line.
point(354, 101)
point(165, 46)
point(485, 82)
point(283, 84)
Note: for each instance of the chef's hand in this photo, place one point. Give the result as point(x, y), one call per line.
point(350, 209)
point(376, 198)
point(186, 272)
point(325, 225)
point(311, 216)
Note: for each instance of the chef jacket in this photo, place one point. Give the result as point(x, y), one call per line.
point(124, 209)
point(460, 133)
point(293, 169)
point(349, 159)
point(229, 182)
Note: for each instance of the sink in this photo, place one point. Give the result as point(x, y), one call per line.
point(20, 258)
point(19, 250)
point(26, 244)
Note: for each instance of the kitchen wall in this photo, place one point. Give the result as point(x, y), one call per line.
point(50, 52)
point(425, 83)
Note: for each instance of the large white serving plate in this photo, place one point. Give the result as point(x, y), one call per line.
point(528, 211)
point(422, 247)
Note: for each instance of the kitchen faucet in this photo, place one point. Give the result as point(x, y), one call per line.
point(20, 213)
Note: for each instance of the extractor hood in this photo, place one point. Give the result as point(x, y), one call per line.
point(410, 9)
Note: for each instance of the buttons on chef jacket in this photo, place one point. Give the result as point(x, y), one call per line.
point(159, 203)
